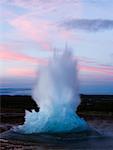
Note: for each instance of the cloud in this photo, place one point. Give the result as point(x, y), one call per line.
point(41, 31)
point(6, 53)
point(38, 33)
point(88, 65)
point(48, 5)
point(85, 60)
point(92, 25)
point(21, 72)
point(38, 23)
point(100, 69)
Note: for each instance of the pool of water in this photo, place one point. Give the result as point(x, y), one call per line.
point(90, 140)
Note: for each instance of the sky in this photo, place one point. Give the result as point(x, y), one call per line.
point(30, 30)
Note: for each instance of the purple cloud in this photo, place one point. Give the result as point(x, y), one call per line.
point(92, 25)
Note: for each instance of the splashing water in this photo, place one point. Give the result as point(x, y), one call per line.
point(56, 92)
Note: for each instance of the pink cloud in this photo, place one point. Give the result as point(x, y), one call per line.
point(42, 31)
point(96, 69)
point(91, 66)
point(66, 35)
point(39, 21)
point(38, 33)
point(7, 54)
point(21, 72)
point(85, 60)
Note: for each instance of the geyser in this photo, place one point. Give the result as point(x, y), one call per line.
point(56, 92)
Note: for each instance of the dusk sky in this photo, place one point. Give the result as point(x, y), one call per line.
point(31, 29)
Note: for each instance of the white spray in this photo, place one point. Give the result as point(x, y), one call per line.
point(56, 92)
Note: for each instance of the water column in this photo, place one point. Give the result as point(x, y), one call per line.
point(56, 92)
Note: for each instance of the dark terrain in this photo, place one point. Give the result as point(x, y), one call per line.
point(96, 109)
point(91, 105)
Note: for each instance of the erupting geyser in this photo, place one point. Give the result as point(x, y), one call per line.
point(56, 92)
